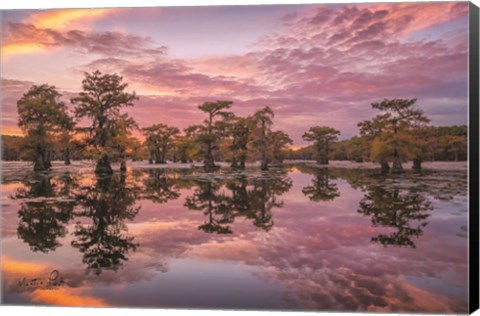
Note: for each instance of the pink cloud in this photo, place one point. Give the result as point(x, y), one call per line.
point(329, 62)
point(20, 36)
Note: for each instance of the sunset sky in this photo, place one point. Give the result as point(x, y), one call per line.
point(312, 64)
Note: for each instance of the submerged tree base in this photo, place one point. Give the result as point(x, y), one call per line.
point(41, 164)
point(123, 166)
point(39, 168)
point(397, 166)
point(417, 165)
point(385, 168)
point(211, 168)
point(238, 167)
point(103, 166)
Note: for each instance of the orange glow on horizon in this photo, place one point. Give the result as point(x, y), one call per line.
point(155, 91)
point(12, 131)
point(25, 268)
point(296, 147)
point(66, 297)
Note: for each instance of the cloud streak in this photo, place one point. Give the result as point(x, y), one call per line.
point(325, 66)
point(28, 38)
point(64, 19)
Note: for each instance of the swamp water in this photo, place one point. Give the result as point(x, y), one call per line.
point(295, 238)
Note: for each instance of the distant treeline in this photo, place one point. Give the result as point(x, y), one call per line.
point(399, 132)
point(445, 143)
point(14, 149)
point(442, 143)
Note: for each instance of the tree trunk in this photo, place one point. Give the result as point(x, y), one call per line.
point(163, 155)
point(42, 160)
point(385, 168)
point(417, 164)
point(174, 155)
point(319, 154)
point(264, 153)
point(39, 164)
point(326, 152)
point(234, 164)
point(183, 155)
point(152, 158)
point(322, 154)
point(397, 166)
point(48, 159)
point(397, 163)
point(103, 166)
point(156, 157)
point(264, 165)
point(67, 156)
point(209, 162)
point(242, 157)
point(123, 163)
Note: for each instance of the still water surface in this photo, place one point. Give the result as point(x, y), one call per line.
point(296, 238)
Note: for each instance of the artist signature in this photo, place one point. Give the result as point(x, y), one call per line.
point(52, 282)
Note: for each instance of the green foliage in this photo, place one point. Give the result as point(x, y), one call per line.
point(239, 133)
point(12, 147)
point(444, 143)
point(322, 136)
point(435, 144)
point(212, 131)
point(187, 149)
point(398, 124)
point(401, 111)
point(279, 141)
point(159, 138)
point(390, 136)
point(42, 117)
point(101, 101)
point(263, 120)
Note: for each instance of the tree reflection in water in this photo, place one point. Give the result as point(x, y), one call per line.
point(321, 189)
point(160, 186)
point(108, 204)
point(214, 205)
point(405, 212)
point(264, 196)
point(224, 200)
point(48, 203)
point(45, 209)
